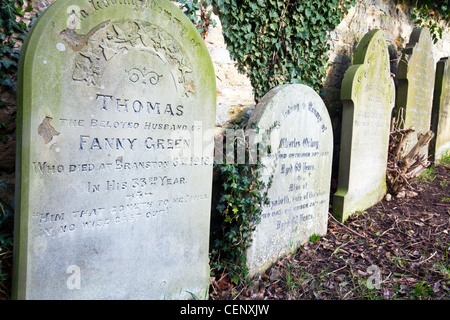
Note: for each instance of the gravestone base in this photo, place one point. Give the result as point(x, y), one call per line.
point(344, 202)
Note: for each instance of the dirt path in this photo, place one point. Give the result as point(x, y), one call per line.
point(398, 249)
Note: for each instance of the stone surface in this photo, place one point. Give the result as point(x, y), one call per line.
point(416, 76)
point(234, 89)
point(368, 96)
point(116, 122)
point(440, 118)
point(300, 164)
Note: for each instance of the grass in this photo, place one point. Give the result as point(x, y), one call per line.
point(290, 280)
point(304, 284)
point(445, 159)
point(420, 290)
point(314, 238)
point(427, 175)
point(443, 269)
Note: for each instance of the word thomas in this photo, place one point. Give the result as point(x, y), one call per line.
point(122, 105)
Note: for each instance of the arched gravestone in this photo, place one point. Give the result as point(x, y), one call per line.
point(368, 95)
point(440, 118)
point(298, 127)
point(416, 76)
point(115, 140)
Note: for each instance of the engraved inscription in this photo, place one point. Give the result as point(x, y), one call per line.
point(144, 181)
point(298, 158)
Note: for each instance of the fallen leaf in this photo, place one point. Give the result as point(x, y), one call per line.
point(436, 287)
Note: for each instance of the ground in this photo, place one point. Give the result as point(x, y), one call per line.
point(398, 249)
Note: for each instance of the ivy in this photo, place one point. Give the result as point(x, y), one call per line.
point(242, 195)
point(430, 14)
point(192, 8)
point(12, 34)
point(8, 56)
point(280, 41)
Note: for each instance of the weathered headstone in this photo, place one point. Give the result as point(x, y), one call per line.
point(368, 96)
point(116, 117)
point(297, 122)
point(440, 118)
point(416, 75)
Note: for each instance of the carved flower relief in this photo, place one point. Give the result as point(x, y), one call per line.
point(104, 45)
point(88, 65)
point(143, 76)
point(109, 51)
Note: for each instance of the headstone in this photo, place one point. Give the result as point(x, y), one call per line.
point(440, 119)
point(416, 75)
point(368, 95)
point(299, 128)
point(116, 118)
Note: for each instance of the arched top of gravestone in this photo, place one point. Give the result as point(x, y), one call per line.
point(420, 45)
point(267, 111)
point(418, 35)
point(371, 61)
point(79, 41)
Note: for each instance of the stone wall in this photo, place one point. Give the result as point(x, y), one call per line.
point(368, 15)
point(234, 90)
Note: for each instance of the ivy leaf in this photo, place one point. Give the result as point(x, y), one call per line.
point(7, 82)
point(308, 13)
point(6, 63)
point(22, 25)
point(235, 279)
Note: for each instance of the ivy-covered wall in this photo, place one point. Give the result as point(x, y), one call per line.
point(239, 46)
